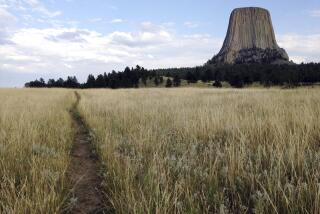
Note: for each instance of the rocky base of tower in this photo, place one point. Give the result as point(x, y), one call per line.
point(252, 56)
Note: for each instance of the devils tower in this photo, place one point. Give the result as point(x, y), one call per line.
point(250, 39)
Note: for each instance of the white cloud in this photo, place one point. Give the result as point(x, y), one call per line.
point(191, 24)
point(74, 51)
point(298, 59)
point(314, 13)
point(168, 24)
point(114, 21)
point(6, 17)
point(34, 5)
point(7, 22)
point(48, 13)
point(301, 48)
point(140, 39)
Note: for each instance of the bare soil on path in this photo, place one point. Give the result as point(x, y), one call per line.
point(83, 173)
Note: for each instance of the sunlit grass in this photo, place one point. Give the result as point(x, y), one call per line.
point(35, 140)
point(208, 151)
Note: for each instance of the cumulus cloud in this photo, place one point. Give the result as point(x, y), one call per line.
point(72, 35)
point(142, 38)
point(301, 48)
point(73, 51)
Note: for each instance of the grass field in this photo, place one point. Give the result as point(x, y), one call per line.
point(185, 150)
point(208, 151)
point(35, 139)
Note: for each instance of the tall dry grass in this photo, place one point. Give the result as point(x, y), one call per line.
point(35, 139)
point(208, 151)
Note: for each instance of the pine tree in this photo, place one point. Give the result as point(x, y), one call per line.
point(91, 81)
point(156, 81)
point(99, 83)
point(176, 81)
point(169, 83)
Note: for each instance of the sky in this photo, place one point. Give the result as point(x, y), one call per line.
point(60, 38)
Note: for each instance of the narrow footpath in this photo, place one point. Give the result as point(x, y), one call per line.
point(83, 173)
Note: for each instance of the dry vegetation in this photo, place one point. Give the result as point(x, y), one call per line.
point(205, 150)
point(182, 150)
point(35, 139)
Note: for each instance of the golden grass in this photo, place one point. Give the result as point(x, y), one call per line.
point(35, 139)
point(208, 151)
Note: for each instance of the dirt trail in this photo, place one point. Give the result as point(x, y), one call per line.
point(83, 172)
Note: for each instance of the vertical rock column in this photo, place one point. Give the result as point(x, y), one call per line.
point(250, 39)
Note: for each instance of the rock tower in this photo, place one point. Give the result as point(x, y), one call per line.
point(250, 39)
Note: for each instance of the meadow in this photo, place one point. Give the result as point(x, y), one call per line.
point(192, 150)
point(35, 140)
point(183, 150)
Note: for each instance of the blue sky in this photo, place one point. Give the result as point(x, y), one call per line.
point(57, 38)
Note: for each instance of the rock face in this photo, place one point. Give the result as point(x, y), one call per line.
point(250, 39)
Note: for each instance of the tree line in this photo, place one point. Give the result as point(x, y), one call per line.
point(238, 75)
point(129, 78)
